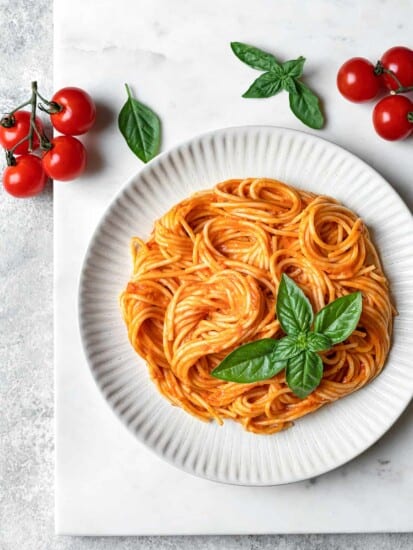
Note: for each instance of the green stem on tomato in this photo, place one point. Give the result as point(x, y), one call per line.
point(379, 69)
point(20, 107)
point(52, 108)
point(11, 161)
point(39, 95)
point(402, 90)
point(10, 158)
point(410, 117)
point(44, 142)
point(11, 151)
point(392, 75)
point(18, 143)
point(8, 120)
point(33, 103)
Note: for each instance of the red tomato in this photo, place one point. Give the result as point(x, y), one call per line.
point(78, 112)
point(20, 129)
point(393, 117)
point(66, 160)
point(356, 80)
point(399, 60)
point(26, 178)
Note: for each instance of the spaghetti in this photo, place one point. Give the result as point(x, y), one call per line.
point(206, 282)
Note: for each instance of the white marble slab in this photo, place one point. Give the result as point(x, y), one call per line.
point(176, 56)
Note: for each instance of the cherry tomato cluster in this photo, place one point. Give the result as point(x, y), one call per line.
point(358, 80)
point(72, 113)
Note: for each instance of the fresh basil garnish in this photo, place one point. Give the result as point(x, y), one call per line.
point(250, 363)
point(318, 342)
point(294, 67)
point(298, 351)
point(304, 373)
point(294, 310)
point(303, 102)
point(264, 86)
point(140, 127)
point(289, 85)
point(306, 106)
point(288, 347)
point(254, 57)
point(338, 319)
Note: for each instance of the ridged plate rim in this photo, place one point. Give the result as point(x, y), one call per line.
point(306, 460)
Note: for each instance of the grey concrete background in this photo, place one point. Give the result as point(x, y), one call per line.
point(26, 344)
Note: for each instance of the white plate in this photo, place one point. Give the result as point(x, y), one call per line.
point(316, 443)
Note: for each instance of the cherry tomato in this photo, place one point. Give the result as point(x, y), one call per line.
point(356, 80)
point(393, 117)
point(20, 129)
point(66, 160)
point(399, 60)
point(78, 111)
point(26, 178)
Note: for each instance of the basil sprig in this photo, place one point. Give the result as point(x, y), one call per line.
point(281, 76)
point(304, 373)
point(250, 362)
point(294, 311)
point(297, 352)
point(140, 127)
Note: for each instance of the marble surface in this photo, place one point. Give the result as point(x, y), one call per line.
point(26, 343)
point(179, 62)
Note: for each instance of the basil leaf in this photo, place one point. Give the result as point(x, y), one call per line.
point(289, 85)
point(294, 310)
point(266, 85)
point(294, 67)
point(318, 342)
point(340, 318)
point(305, 105)
point(304, 373)
point(286, 348)
point(140, 127)
point(250, 363)
point(254, 57)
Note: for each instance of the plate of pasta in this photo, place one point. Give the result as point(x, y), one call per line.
point(246, 306)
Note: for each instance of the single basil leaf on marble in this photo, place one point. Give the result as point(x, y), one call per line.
point(255, 58)
point(289, 85)
point(140, 127)
point(304, 373)
point(339, 319)
point(250, 363)
point(294, 67)
point(318, 342)
point(266, 85)
point(306, 106)
point(294, 311)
